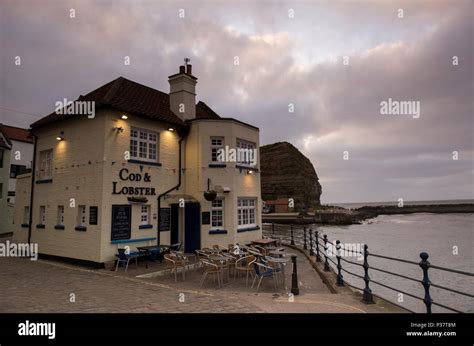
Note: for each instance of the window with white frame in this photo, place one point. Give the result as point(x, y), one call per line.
point(217, 213)
point(42, 215)
point(145, 215)
point(246, 212)
point(246, 153)
point(217, 143)
point(81, 216)
point(26, 215)
point(144, 145)
point(46, 164)
point(60, 215)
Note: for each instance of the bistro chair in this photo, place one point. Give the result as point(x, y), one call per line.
point(244, 264)
point(174, 262)
point(175, 247)
point(123, 257)
point(263, 271)
point(212, 269)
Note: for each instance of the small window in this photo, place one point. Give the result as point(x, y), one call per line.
point(144, 145)
point(217, 213)
point(17, 170)
point(145, 215)
point(42, 215)
point(246, 212)
point(60, 215)
point(217, 143)
point(1, 157)
point(26, 215)
point(46, 164)
point(81, 216)
point(246, 153)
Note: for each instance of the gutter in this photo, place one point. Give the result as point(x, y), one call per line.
point(32, 189)
point(176, 187)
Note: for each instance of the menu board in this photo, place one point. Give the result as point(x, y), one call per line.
point(206, 218)
point(165, 219)
point(93, 215)
point(121, 221)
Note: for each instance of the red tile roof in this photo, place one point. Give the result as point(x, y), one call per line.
point(12, 133)
point(127, 96)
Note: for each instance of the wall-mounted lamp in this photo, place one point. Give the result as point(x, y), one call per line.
point(249, 171)
point(124, 117)
point(60, 137)
point(171, 129)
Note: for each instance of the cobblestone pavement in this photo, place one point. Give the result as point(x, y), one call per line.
point(46, 286)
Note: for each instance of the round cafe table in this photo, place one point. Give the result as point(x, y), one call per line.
point(280, 261)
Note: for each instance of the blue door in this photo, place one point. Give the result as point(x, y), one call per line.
point(192, 227)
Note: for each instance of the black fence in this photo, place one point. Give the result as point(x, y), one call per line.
point(318, 245)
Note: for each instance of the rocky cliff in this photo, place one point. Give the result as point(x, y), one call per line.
point(287, 173)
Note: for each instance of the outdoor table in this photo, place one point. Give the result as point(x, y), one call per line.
point(282, 262)
point(222, 260)
point(146, 251)
point(264, 242)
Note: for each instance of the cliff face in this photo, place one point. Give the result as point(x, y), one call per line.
point(287, 173)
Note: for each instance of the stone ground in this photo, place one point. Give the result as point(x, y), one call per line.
point(47, 286)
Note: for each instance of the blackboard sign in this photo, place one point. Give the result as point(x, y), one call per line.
point(206, 218)
point(165, 217)
point(93, 214)
point(121, 221)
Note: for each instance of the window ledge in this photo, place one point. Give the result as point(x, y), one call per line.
point(247, 229)
point(59, 227)
point(81, 228)
point(217, 165)
point(44, 181)
point(145, 162)
point(218, 231)
point(25, 225)
point(40, 226)
point(251, 168)
point(145, 226)
point(122, 241)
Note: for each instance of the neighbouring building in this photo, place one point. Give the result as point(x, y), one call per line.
point(5, 218)
point(21, 155)
point(143, 169)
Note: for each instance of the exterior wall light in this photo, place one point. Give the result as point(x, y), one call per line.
point(249, 171)
point(171, 129)
point(124, 117)
point(60, 137)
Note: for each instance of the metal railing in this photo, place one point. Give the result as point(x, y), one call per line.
point(319, 247)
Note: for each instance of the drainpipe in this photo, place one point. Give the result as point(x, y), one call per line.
point(32, 189)
point(182, 136)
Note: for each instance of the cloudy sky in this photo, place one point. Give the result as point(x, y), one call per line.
point(335, 61)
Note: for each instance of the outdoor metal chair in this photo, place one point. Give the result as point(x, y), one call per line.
point(175, 262)
point(210, 268)
point(263, 271)
point(123, 257)
point(244, 264)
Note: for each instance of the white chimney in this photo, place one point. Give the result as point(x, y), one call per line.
point(183, 92)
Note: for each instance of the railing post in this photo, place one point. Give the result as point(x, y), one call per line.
point(304, 235)
point(367, 297)
point(318, 257)
point(311, 251)
point(339, 280)
point(292, 237)
point(326, 263)
point(425, 265)
point(273, 229)
point(294, 278)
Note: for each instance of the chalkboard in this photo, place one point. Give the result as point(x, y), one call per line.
point(165, 217)
point(121, 221)
point(93, 215)
point(206, 218)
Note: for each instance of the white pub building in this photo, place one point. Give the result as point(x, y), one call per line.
point(142, 167)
